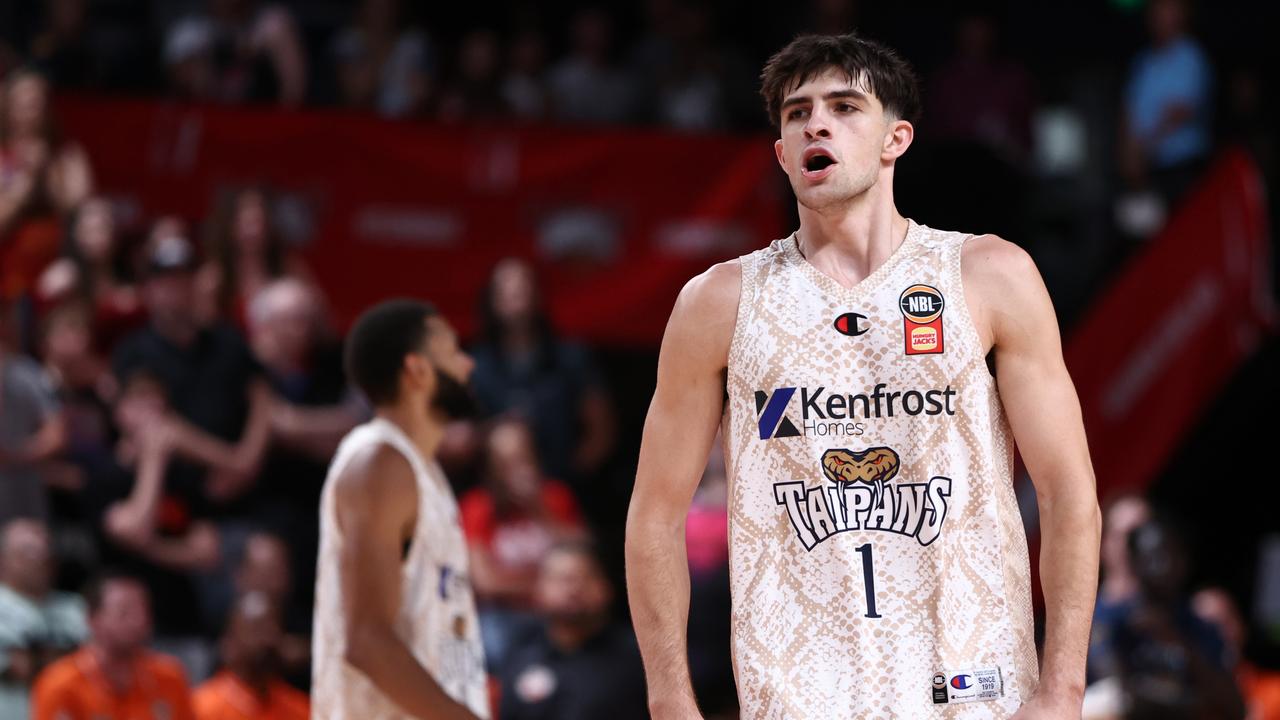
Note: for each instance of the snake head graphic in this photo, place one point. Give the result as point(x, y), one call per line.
point(877, 465)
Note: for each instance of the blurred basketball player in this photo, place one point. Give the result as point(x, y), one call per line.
point(878, 561)
point(395, 621)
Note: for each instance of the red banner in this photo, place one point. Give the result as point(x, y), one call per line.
point(615, 220)
point(1161, 342)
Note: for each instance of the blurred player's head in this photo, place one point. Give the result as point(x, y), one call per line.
point(844, 107)
point(402, 349)
point(119, 614)
point(572, 589)
point(26, 563)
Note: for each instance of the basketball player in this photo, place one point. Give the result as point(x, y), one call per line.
point(878, 561)
point(396, 634)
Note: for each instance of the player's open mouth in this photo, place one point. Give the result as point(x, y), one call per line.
point(817, 164)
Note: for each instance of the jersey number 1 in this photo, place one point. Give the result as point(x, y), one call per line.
point(869, 579)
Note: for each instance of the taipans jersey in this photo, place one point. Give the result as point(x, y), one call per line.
point(437, 619)
point(879, 564)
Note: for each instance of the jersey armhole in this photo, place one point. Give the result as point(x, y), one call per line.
point(953, 262)
point(746, 304)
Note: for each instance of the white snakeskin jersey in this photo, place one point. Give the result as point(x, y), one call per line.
point(878, 560)
point(437, 619)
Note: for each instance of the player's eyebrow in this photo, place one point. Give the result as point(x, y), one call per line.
point(833, 95)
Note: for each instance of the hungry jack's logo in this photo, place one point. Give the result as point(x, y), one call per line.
point(860, 497)
point(921, 307)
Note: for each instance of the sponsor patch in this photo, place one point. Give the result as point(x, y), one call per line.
point(922, 307)
point(968, 685)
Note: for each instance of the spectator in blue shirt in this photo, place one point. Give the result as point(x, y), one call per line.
point(1167, 106)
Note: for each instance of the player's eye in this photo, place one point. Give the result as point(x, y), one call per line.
point(796, 114)
point(845, 107)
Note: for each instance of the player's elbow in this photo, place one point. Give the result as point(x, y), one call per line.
point(1078, 514)
point(364, 644)
point(651, 522)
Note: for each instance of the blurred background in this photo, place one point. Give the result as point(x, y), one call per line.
point(197, 197)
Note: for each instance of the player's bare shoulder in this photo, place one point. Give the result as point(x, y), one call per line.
point(705, 313)
point(999, 277)
point(377, 480)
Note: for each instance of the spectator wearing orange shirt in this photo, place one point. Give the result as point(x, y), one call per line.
point(114, 676)
point(250, 687)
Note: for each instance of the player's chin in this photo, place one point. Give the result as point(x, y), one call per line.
point(817, 196)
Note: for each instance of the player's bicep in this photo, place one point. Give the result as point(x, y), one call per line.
point(689, 398)
point(375, 498)
point(1037, 392)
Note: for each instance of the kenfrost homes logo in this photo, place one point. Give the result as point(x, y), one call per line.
point(825, 413)
point(860, 497)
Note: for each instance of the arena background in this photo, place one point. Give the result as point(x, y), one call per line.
point(617, 150)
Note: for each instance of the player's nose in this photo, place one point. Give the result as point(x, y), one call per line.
point(817, 126)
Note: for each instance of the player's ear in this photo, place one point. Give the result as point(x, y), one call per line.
point(418, 371)
point(777, 150)
point(897, 139)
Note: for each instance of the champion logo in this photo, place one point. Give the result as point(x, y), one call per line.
point(851, 324)
point(770, 409)
point(961, 682)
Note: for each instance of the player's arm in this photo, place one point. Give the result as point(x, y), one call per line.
point(1015, 315)
point(376, 504)
point(678, 433)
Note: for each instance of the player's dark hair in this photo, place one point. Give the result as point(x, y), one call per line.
point(870, 65)
point(378, 342)
point(95, 589)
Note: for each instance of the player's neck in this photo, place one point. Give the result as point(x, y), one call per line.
point(848, 243)
point(422, 425)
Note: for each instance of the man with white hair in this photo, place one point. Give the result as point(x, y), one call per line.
point(37, 623)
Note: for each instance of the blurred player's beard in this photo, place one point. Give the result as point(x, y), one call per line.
point(453, 398)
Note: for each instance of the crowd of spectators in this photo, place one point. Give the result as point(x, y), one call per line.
point(1159, 648)
point(170, 400)
point(170, 397)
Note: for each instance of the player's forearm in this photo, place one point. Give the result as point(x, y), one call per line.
point(658, 590)
point(1070, 530)
point(384, 659)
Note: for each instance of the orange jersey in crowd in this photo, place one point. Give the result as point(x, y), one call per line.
point(225, 697)
point(74, 688)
